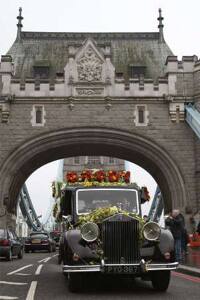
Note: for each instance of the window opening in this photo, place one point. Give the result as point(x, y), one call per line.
point(136, 71)
point(94, 160)
point(111, 160)
point(77, 160)
point(38, 115)
point(141, 111)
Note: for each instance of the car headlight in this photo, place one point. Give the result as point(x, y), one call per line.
point(89, 232)
point(151, 231)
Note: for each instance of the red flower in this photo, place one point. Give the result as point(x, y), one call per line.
point(86, 175)
point(113, 176)
point(71, 177)
point(127, 177)
point(99, 176)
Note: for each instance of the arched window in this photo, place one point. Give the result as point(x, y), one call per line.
point(38, 115)
point(141, 115)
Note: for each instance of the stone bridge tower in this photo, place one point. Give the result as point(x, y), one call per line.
point(106, 94)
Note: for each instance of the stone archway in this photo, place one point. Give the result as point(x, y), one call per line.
point(91, 141)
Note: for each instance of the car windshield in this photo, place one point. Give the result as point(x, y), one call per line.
point(90, 199)
point(2, 233)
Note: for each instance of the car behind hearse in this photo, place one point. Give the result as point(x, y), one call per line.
point(10, 244)
point(38, 241)
point(106, 234)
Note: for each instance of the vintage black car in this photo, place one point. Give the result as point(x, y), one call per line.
point(10, 244)
point(106, 234)
point(38, 241)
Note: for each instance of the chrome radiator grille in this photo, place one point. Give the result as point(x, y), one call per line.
point(121, 241)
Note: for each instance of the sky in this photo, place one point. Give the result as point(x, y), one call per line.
point(181, 32)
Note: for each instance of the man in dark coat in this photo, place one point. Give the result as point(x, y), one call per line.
point(176, 226)
point(198, 228)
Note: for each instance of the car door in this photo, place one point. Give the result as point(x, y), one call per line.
point(14, 243)
point(18, 243)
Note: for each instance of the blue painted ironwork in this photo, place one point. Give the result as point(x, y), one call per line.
point(193, 118)
point(28, 210)
point(157, 206)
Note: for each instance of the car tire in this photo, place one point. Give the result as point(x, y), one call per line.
point(75, 282)
point(50, 249)
point(160, 280)
point(20, 254)
point(9, 255)
point(27, 251)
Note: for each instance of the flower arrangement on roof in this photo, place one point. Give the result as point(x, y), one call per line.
point(97, 177)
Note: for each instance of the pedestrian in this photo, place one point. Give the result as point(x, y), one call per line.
point(192, 224)
point(176, 226)
point(198, 228)
point(184, 237)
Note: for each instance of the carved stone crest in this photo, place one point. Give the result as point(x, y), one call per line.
point(89, 91)
point(89, 66)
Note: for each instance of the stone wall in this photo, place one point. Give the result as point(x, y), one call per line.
point(109, 105)
point(176, 138)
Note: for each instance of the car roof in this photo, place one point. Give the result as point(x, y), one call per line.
point(38, 232)
point(78, 187)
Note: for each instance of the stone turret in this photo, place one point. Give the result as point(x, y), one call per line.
point(160, 26)
point(19, 25)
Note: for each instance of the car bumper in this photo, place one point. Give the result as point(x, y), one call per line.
point(4, 250)
point(37, 246)
point(138, 268)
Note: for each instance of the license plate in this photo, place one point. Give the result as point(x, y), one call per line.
point(121, 269)
point(36, 241)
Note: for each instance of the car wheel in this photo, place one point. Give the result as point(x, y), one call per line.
point(27, 251)
point(160, 280)
point(20, 254)
point(50, 249)
point(75, 282)
point(9, 255)
point(32, 251)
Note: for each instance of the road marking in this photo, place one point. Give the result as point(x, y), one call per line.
point(25, 267)
point(188, 277)
point(47, 258)
point(55, 255)
point(7, 297)
point(23, 274)
point(39, 269)
point(31, 291)
point(14, 283)
point(44, 260)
